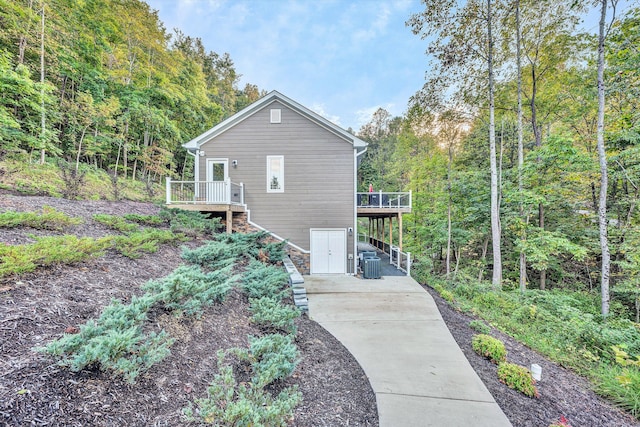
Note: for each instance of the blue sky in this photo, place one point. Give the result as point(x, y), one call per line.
point(342, 59)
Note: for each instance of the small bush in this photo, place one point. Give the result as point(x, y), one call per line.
point(48, 219)
point(150, 220)
point(262, 280)
point(116, 222)
point(18, 259)
point(270, 312)
point(187, 288)
point(213, 255)
point(231, 404)
point(133, 245)
point(518, 378)
point(190, 223)
point(272, 357)
point(489, 347)
point(114, 342)
point(480, 326)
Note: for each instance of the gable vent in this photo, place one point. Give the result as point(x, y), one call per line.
point(276, 115)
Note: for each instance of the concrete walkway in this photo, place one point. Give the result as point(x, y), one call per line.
point(394, 330)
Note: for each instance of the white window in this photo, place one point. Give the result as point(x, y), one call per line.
point(275, 174)
point(276, 115)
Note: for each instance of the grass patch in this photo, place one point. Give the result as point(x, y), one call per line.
point(148, 240)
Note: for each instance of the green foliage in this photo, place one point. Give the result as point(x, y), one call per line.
point(480, 326)
point(188, 289)
point(48, 219)
point(261, 280)
point(150, 220)
point(518, 378)
point(133, 245)
point(271, 312)
point(212, 255)
point(190, 223)
point(116, 222)
point(115, 341)
point(272, 357)
point(621, 382)
point(18, 259)
point(231, 404)
point(489, 347)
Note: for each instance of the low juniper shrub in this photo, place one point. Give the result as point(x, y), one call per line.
point(189, 289)
point(272, 357)
point(262, 280)
point(229, 403)
point(271, 312)
point(115, 341)
point(489, 347)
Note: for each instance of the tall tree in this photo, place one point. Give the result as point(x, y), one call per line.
point(464, 49)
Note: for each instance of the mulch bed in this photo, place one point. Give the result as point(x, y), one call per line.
point(37, 308)
point(562, 392)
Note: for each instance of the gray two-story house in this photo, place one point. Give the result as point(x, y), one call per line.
point(281, 168)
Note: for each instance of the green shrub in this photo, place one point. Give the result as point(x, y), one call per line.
point(518, 378)
point(213, 255)
point(48, 219)
point(18, 259)
point(115, 341)
point(621, 384)
point(270, 312)
point(480, 326)
point(116, 222)
point(231, 404)
point(489, 347)
point(190, 223)
point(262, 280)
point(187, 288)
point(133, 245)
point(272, 357)
point(150, 220)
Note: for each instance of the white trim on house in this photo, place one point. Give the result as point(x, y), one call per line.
point(282, 239)
point(268, 99)
point(211, 161)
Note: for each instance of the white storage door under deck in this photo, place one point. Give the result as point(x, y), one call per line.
point(328, 251)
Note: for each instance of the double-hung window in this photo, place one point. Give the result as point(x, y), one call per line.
point(275, 174)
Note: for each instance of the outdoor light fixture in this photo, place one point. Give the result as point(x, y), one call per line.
point(201, 153)
point(350, 230)
point(234, 163)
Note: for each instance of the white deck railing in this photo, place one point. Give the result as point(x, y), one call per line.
point(402, 260)
point(204, 192)
point(384, 200)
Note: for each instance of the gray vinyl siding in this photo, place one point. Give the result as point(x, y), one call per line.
point(318, 173)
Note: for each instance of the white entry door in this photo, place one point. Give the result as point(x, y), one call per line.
point(217, 174)
point(328, 251)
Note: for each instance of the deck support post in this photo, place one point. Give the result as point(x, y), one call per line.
point(229, 218)
point(400, 232)
point(390, 233)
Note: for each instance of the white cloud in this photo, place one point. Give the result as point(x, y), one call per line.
point(364, 115)
point(320, 109)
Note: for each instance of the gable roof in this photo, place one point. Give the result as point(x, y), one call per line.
point(263, 102)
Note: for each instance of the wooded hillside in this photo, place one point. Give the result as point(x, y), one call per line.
point(104, 83)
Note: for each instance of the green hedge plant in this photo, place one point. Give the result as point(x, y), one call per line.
point(518, 378)
point(489, 347)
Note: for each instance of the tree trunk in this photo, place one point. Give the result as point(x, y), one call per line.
point(485, 247)
point(42, 114)
point(523, 258)
point(449, 213)
point(543, 273)
point(602, 203)
point(495, 208)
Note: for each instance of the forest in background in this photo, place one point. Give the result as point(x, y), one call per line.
point(105, 85)
point(439, 151)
